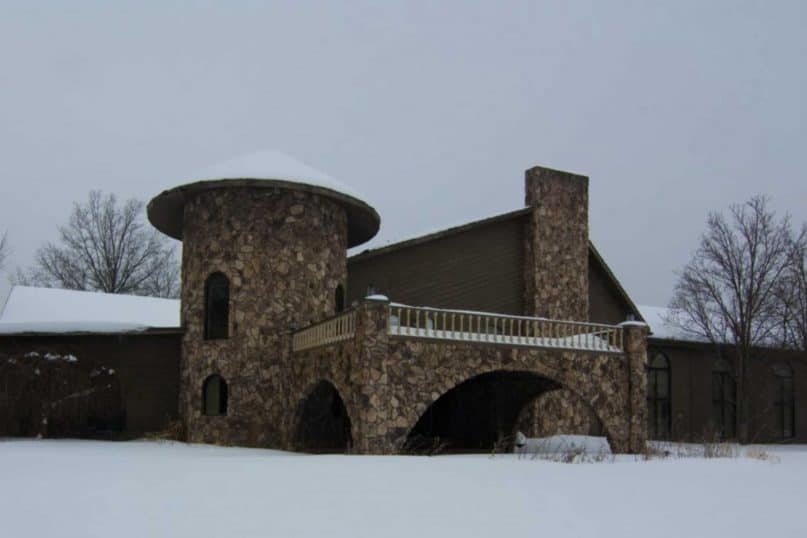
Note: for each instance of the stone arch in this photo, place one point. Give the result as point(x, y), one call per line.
point(479, 413)
point(433, 369)
point(323, 421)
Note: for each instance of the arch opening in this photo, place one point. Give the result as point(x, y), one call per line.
point(724, 400)
point(479, 414)
point(784, 402)
point(217, 307)
point(659, 413)
point(214, 396)
point(324, 424)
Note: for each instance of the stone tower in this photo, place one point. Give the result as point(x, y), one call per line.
point(264, 252)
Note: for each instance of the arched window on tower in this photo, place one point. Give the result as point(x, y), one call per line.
point(339, 299)
point(658, 397)
point(724, 399)
point(214, 396)
point(784, 401)
point(217, 307)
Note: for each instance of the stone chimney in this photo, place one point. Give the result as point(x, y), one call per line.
point(556, 250)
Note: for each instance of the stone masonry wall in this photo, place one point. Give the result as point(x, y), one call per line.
point(399, 378)
point(556, 245)
point(284, 253)
point(421, 371)
point(388, 382)
point(558, 412)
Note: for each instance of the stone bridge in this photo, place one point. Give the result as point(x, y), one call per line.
point(383, 378)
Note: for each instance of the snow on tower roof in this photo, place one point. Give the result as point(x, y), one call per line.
point(271, 164)
point(55, 311)
point(264, 169)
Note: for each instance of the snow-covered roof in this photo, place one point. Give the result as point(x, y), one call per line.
point(53, 311)
point(272, 164)
point(264, 169)
point(657, 318)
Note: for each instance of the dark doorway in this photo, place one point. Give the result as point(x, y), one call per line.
point(324, 422)
point(479, 414)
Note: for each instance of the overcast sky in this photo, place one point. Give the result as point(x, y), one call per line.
point(433, 110)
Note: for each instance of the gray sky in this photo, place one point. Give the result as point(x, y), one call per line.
point(432, 110)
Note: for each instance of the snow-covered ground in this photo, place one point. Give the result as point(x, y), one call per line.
point(150, 489)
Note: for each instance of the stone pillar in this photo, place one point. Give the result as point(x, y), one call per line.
point(636, 357)
point(372, 433)
point(556, 250)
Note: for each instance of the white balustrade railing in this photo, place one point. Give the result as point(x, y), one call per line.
point(338, 329)
point(483, 327)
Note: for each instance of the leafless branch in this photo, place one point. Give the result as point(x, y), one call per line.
point(730, 291)
point(3, 250)
point(107, 247)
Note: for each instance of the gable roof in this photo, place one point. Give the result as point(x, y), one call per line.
point(462, 228)
point(439, 234)
point(30, 310)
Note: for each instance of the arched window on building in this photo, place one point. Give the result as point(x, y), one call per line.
point(724, 399)
point(217, 307)
point(214, 396)
point(784, 401)
point(339, 299)
point(658, 397)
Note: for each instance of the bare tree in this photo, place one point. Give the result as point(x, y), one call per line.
point(727, 293)
point(792, 294)
point(3, 250)
point(107, 247)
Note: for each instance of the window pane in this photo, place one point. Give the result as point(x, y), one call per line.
point(787, 419)
point(662, 383)
point(717, 387)
point(659, 361)
point(667, 419)
point(211, 394)
point(217, 307)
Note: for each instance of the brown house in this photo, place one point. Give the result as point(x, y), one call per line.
point(460, 337)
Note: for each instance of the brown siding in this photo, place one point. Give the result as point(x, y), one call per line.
point(605, 303)
point(147, 366)
point(691, 390)
point(476, 269)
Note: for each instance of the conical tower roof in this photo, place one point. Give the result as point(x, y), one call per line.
point(264, 169)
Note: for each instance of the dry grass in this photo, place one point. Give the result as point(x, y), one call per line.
point(705, 449)
point(757, 453)
point(570, 453)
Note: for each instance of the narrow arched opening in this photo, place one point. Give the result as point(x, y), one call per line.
point(724, 400)
point(659, 416)
point(217, 307)
point(324, 424)
point(214, 396)
point(339, 299)
point(784, 402)
point(479, 414)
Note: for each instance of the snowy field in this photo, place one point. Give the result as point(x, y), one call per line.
point(149, 489)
